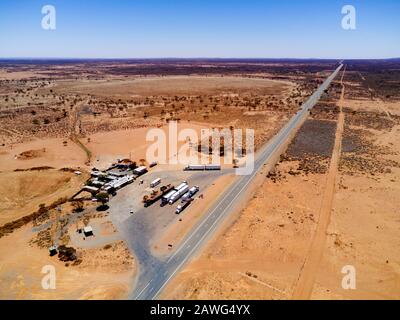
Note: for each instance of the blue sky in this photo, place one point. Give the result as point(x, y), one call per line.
point(200, 28)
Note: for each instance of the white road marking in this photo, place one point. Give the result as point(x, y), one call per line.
point(140, 293)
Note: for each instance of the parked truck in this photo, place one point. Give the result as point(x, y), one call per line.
point(182, 185)
point(195, 167)
point(188, 195)
point(140, 171)
point(155, 182)
point(153, 164)
point(210, 167)
point(158, 194)
point(193, 190)
point(167, 197)
point(183, 206)
point(179, 193)
point(200, 167)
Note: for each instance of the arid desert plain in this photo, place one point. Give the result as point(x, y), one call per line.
point(69, 129)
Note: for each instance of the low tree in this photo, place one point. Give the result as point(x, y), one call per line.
point(103, 197)
point(42, 208)
point(77, 206)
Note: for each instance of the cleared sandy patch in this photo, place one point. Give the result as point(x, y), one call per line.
point(103, 229)
point(21, 193)
point(174, 85)
point(53, 154)
point(106, 147)
point(17, 75)
point(368, 105)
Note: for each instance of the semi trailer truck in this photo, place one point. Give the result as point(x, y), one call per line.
point(179, 193)
point(167, 197)
point(188, 195)
point(183, 206)
point(157, 194)
point(200, 167)
point(155, 182)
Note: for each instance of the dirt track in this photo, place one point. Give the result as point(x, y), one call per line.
point(305, 283)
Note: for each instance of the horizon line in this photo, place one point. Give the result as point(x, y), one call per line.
point(189, 58)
